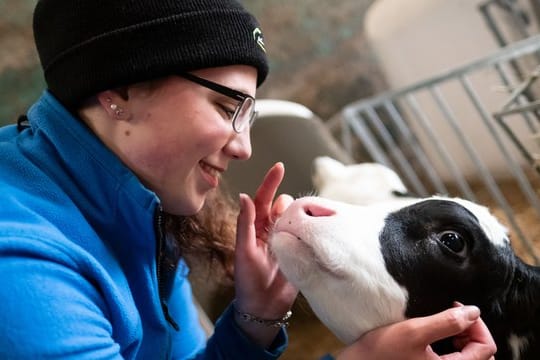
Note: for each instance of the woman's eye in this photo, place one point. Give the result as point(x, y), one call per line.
point(452, 240)
point(229, 113)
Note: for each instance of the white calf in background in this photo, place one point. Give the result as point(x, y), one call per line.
point(361, 267)
point(373, 182)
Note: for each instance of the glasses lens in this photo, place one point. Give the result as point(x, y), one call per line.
point(244, 115)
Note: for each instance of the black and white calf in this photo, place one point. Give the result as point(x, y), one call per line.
point(360, 267)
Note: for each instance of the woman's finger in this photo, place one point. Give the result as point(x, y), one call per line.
point(267, 190)
point(280, 205)
point(476, 340)
point(429, 329)
point(244, 226)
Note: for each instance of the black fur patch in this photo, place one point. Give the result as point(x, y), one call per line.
point(434, 274)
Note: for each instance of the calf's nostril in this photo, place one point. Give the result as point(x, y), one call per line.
point(315, 210)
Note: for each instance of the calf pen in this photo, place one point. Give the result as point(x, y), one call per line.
point(471, 132)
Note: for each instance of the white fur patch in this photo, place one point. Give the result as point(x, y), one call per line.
point(495, 231)
point(361, 184)
point(336, 262)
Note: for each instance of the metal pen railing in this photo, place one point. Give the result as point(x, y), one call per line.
point(422, 131)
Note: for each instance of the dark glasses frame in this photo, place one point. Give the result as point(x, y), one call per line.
point(227, 91)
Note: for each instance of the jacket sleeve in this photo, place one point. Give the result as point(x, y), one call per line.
point(227, 342)
point(230, 342)
point(48, 310)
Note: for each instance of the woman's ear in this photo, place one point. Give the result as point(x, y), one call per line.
point(114, 104)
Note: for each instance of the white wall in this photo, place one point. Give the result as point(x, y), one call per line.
point(416, 39)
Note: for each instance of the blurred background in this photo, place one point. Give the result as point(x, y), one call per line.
point(318, 54)
point(444, 92)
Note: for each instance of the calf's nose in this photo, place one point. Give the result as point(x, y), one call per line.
point(312, 208)
point(302, 212)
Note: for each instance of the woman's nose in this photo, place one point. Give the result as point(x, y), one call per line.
point(239, 146)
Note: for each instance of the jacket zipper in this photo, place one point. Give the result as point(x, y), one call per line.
point(159, 256)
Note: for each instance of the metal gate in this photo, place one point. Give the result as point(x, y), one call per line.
point(471, 132)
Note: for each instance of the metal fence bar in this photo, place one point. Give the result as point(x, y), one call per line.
point(452, 121)
point(405, 110)
point(512, 51)
point(518, 173)
point(395, 152)
point(514, 12)
point(346, 135)
point(521, 105)
point(419, 153)
point(521, 99)
point(357, 124)
point(424, 123)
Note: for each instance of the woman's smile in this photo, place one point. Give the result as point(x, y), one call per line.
point(211, 173)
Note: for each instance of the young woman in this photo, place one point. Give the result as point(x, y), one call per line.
point(148, 102)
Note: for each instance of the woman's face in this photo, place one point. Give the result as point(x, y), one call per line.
point(179, 138)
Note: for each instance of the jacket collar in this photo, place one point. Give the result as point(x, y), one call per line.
point(105, 190)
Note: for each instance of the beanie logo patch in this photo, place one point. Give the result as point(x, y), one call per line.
point(258, 37)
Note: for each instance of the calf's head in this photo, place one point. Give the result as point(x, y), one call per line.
point(361, 267)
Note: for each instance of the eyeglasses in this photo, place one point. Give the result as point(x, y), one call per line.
point(244, 114)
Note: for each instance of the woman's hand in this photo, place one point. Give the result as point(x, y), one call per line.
point(261, 289)
point(411, 339)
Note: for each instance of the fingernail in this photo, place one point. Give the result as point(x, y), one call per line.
point(241, 197)
point(471, 312)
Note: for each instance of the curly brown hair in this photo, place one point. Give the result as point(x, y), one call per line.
point(207, 240)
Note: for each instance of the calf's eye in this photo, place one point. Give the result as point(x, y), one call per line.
point(452, 240)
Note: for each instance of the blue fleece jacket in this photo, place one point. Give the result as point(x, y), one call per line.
point(78, 256)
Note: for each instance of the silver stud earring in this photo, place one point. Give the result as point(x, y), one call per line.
point(118, 111)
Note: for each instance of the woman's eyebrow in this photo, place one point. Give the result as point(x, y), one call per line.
point(239, 89)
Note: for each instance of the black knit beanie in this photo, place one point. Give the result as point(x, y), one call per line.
point(87, 46)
